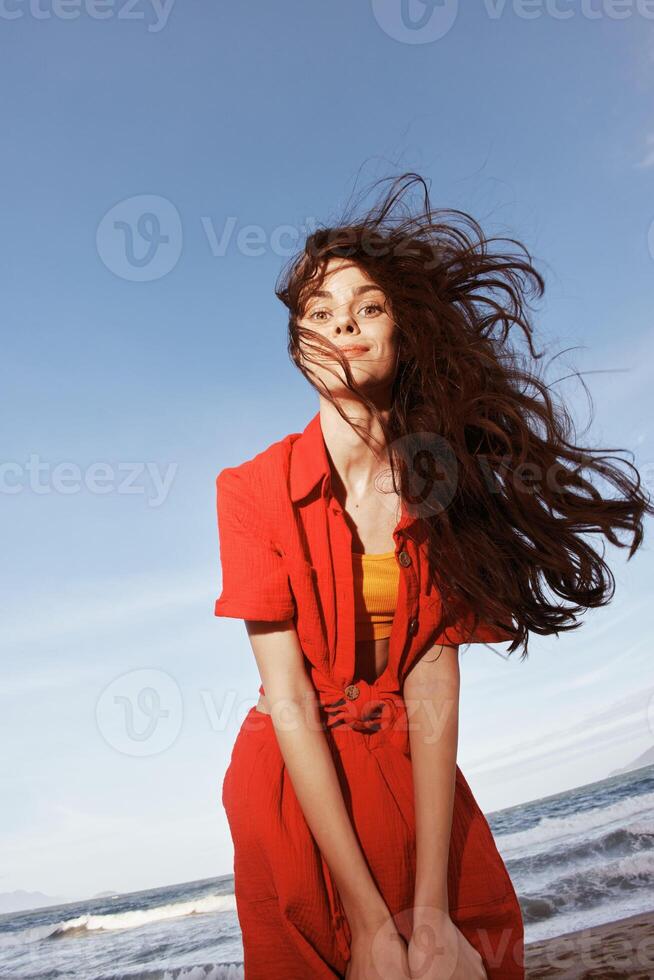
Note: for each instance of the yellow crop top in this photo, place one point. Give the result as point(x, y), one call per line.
point(376, 579)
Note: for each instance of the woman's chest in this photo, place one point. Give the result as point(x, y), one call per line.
point(317, 549)
point(371, 521)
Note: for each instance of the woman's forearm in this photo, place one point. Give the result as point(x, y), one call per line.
point(431, 693)
point(302, 740)
point(310, 765)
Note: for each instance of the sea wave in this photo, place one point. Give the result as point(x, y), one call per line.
point(590, 887)
point(549, 831)
point(110, 921)
point(636, 839)
point(208, 971)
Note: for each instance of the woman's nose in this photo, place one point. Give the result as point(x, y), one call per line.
point(347, 327)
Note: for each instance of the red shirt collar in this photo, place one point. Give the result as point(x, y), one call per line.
point(309, 460)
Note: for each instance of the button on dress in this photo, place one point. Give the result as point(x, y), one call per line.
point(285, 552)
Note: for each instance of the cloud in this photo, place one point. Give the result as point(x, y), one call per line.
point(83, 607)
point(648, 160)
point(624, 719)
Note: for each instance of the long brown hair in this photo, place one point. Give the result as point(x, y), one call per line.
point(508, 495)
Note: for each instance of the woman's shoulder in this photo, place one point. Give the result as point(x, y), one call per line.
point(263, 472)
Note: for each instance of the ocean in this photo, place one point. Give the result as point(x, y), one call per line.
point(577, 859)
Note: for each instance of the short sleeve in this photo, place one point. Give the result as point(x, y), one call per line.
point(462, 631)
point(255, 582)
point(459, 634)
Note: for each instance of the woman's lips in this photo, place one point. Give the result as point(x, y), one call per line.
point(352, 351)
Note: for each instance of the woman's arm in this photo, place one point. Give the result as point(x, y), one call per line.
point(431, 693)
point(293, 707)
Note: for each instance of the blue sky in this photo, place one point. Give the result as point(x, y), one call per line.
point(139, 359)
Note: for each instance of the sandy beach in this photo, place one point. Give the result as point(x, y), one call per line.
point(617, 949)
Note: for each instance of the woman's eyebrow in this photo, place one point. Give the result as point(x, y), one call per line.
point(357, 291)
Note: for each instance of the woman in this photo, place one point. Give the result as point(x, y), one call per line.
point(429, 503)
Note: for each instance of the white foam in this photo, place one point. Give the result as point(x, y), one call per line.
point(222, 972)
point(133, 919)
point(635, 812)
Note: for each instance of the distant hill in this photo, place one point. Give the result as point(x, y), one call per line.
point(22, 901)
point(646, 759)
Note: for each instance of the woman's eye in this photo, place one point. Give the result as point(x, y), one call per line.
point(321, 314)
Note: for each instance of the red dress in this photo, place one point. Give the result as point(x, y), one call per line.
point(285, 552)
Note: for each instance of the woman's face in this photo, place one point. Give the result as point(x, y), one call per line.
point(353, 313)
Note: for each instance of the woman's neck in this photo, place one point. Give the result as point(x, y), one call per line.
point(357, 460)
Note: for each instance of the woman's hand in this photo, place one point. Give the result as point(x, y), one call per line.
point(378, 954)
point(438, 950)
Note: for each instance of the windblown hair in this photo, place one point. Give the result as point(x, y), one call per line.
point(476, 443)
